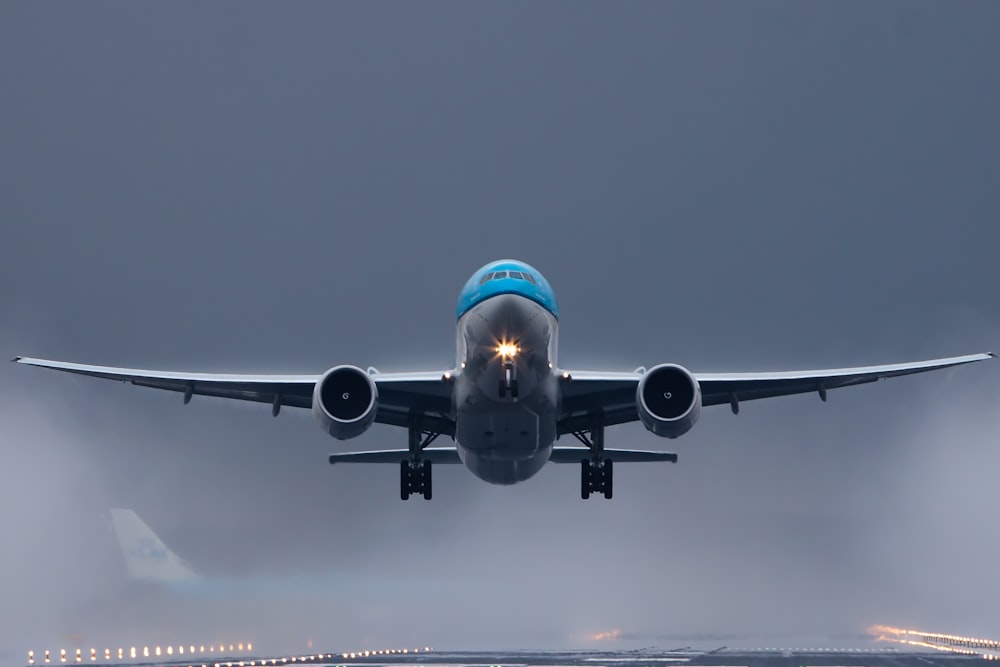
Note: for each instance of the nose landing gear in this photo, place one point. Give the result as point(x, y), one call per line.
point(508, 383)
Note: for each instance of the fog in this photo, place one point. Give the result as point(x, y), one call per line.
point(285, 187)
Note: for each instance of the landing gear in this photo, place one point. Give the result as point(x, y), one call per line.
point(508, 383)
point(415, 478)
point(597, 472)
point(415, 472)
point(506, 387)
point(596, 478)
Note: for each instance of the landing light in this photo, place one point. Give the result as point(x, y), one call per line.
point(508, 349)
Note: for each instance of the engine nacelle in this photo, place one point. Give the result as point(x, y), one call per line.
point(668, 399)
point(344, 401)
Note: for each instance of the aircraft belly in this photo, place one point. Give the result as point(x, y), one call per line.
point(504, 438)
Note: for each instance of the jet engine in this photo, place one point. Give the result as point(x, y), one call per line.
point(344, 401)
point(668, 399)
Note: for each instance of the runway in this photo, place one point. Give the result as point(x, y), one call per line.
point(721, 657)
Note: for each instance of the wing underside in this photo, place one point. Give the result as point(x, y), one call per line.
point(586, 394)
point(612, 395)
point(401, 395)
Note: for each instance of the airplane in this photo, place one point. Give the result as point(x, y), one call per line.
point(507, 400)
point(150, 562)
point(147, 558)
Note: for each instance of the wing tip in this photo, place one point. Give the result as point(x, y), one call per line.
point(992, 354)
point(17, 359)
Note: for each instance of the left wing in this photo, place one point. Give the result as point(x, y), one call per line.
point(400, 394)
point(612, 395)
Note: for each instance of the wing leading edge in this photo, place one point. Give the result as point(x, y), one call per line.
point(400, 394)
point(612, 395)
point(585, 393)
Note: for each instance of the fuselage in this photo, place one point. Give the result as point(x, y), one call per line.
point(506, 395)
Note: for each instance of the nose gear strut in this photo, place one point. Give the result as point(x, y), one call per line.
point(508, 382)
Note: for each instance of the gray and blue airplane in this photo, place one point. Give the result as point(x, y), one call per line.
point(151, 562)
point(507, 400)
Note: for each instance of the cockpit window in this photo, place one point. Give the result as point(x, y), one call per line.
point(499, 275)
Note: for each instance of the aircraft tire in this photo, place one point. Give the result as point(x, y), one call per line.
point(404, 480)
point(426, 474)
point(584, 479)
point(608, 478)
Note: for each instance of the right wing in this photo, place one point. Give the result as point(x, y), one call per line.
point(611, 395)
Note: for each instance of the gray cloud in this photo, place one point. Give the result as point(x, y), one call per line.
point(738, 187)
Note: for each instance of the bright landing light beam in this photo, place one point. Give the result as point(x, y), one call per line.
point(507, 350)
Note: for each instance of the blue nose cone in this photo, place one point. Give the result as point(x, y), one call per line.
point(507, 276)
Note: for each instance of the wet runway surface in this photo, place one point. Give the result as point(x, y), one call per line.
point(638, 658)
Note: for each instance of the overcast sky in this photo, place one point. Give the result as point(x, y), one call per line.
point(286, 187)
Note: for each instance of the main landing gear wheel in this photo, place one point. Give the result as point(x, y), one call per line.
point(415, 478)
point(596, 477)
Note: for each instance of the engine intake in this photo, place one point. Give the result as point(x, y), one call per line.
point(668, 400)
point(344, 401)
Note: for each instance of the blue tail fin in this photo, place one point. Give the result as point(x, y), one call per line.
point(146, 556)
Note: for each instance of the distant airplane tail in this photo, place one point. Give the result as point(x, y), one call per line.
point(146, 556)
